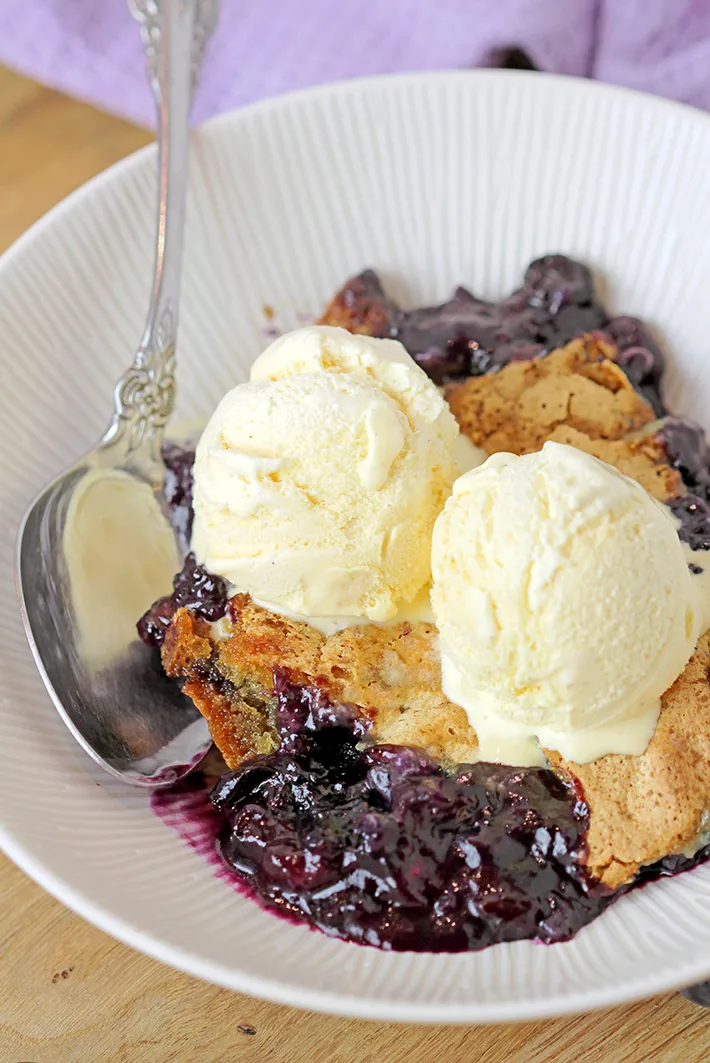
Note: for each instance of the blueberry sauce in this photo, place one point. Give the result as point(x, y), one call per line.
point(186, 808)
point(194, 588)
point(469, 336)
point(381, 846)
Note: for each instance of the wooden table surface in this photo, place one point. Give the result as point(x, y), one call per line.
point(69, 993)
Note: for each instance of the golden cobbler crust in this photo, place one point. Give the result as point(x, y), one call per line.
point(392, 674)
point(575, 395)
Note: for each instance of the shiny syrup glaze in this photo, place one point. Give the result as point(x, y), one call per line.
point(382, 847)
point(468, 336)
point(378, 844)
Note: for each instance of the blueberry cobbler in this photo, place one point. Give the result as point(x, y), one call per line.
point(445, 609)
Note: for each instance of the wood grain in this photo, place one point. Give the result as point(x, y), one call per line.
point(49, 145)
point(69, 993)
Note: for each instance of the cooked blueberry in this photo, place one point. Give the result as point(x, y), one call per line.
point(480, 360)
point(395, 852)
point(387, 766)
point(630, 332)
point(694, 516)
point(555, 281)
point(640, 356)
point(637, 363)
point(197, 589)
point(194, 588)
point(155, 622)
point(447, 364)
point(687, 449)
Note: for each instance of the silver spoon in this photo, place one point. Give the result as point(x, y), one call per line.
point(94, 531)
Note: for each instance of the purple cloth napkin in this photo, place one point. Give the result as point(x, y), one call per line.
point(91, 48)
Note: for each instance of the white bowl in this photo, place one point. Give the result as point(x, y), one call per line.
point(434, 180)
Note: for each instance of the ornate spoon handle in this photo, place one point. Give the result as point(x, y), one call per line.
point(174, 34)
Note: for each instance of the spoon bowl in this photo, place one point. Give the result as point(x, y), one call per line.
point(122, 709)
point(96, 547)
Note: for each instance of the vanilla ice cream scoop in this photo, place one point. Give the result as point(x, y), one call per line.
point(317, 483)
point(564, 603)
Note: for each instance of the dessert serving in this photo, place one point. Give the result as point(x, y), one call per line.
point(445, 609)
